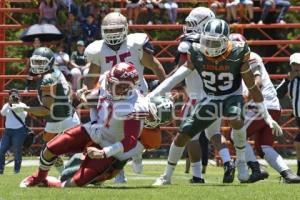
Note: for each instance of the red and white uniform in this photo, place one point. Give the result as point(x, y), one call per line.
point(263, 133)
point(119, 124)
point(114, 122)
point(130, 51)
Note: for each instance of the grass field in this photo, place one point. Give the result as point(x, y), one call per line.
point(139, 187)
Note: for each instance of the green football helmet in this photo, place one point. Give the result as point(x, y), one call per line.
point(42, 60)
point(161, 108)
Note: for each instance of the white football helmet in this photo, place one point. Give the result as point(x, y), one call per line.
point(114, 28)
point(214, 38)
point(196, 20)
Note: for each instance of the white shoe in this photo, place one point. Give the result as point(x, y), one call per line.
point(120, 178)
point(282, 22)
point(260, 22)
point(137, 165)
point(162, 180)
point(242, 169)
point(150, 23)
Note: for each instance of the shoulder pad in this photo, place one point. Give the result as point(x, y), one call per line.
point(138, 39)
point(184, 46)
point(92, 51)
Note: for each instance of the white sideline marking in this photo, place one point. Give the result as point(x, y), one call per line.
point(30, 163)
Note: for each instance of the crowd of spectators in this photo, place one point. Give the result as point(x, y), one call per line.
point(83, 22)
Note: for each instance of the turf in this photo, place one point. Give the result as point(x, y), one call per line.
point(139, 187)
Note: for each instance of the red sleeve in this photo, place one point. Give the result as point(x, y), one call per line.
point(132, 130)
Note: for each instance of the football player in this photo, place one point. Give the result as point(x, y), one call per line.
point(121, 110)
point(119, 46)
point(222, 65)
point(54, 97)
point(195, 22)
point(258, 127)
point(161, 109)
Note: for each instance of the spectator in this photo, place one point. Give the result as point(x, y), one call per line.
point(171, 7)
point(268, 4)
point(90, 29)
point(79, 64)
point(249, 7)
point(36, 44)
point(62, 61)
point(72, 31)
point(225, 4)
point(15, 132)
point(150, 5)
point(133, 10)
point(48, 10)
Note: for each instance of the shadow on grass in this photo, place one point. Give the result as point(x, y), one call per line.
point(111, 187)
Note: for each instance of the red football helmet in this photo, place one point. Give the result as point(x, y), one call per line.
point(121, 80)
point(237, 37)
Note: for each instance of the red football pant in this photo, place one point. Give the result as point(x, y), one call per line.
point(262, 132)
point(75, 140)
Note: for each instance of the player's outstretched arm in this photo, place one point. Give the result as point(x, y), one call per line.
point(257, 96)
point(182, 72)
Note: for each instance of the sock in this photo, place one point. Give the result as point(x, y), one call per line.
point(224, 154)
point(249, 153)
point(298, 170)
point(175, 154)
point(196, 169)
point(42, 174)
point(239, 139)
point(274, 159)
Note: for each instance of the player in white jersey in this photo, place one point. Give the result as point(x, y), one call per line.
point(121, 111)
point(257, 126)
point(116, 46)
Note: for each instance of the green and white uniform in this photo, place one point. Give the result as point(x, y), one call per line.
point(222, 84)
point(62, 115)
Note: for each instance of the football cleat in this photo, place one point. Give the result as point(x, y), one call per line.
point(242, 168)
point(120, 178)
point(289, 177)
point(162, 180)
point(257, 173)
point(229, 170)
point(196, 180)
point(137, 165)
point(32, 181)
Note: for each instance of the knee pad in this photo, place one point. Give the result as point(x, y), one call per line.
point(297, 138)
point(239, 137)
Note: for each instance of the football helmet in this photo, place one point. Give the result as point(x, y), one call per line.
point(42, 60)
point(214, 38)
point(195, 21)
point(114, 28)
point(161, 109)
point(237, 37)
point(121, 80)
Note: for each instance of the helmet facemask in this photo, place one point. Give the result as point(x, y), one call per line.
point(120, 90)
point(40, 64)
point(114, 34)
point(213, 45)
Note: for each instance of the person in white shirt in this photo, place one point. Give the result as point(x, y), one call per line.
point(15, 132)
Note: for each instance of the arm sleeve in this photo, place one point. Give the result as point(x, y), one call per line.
point(5, 109)
point(171, 82)
point(131, 132)
point(282, 88)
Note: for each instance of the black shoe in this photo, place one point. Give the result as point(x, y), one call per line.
point(289, 177)
point(257, 173)
point(229, 169)
point(197, 180)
